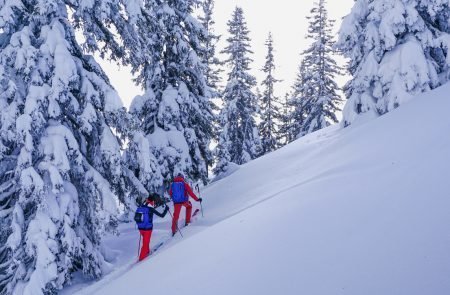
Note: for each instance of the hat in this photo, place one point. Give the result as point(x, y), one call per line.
point(153, 196)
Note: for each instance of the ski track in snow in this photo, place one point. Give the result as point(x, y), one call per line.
point(119, 272)
point(90, 287)
point(312, 179)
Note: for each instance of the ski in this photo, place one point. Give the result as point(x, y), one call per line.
point(195, 212)
point(156, 248)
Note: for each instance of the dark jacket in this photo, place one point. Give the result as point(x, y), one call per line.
point(154, 211)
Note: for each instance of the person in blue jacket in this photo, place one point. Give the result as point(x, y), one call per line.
point(144, 219)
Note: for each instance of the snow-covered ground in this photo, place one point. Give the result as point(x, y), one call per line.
point(363, 210)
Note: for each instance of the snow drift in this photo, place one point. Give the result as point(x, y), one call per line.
point(360, 210)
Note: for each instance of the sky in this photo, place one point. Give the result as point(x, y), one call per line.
point(286, 19)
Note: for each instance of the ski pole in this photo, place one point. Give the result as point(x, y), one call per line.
point(176, 223)
point(139, 245)
point(201, 207)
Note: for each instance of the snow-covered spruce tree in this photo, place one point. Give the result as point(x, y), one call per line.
point(284, 135)
point(175, 111)
point(396, 49)
point(213, 65)
point(112, 28)
point(269, 104)
point(61, 170)
point(210, 59)
point(106, 25)
point(321, 104)
point(239, 140)
point(301, 90)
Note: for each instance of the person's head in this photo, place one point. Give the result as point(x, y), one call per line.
point(154, 196)
point(180, 175)
point(150, 200)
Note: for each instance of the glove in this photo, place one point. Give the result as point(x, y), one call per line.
point(200, 200)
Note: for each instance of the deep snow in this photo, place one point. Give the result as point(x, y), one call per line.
point(361, 210)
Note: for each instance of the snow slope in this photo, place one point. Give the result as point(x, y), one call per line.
point(364, 210)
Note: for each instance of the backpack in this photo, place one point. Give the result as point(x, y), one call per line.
point(178, 192)
point(142, 218)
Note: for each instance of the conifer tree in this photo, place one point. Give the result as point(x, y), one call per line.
point(213, 65)
point(284, 135)
point(62, 127)
point(269, 104)
point(210, 59)
point(396, 50)
point(320, 100)
point(301, 89)
point(239, 140)
point(175, 112)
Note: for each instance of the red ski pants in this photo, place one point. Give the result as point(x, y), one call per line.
point(176, 214)
point(145, 249)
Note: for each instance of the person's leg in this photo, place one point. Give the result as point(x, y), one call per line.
point(188, 206)
point(145, 249)
point(176, 215)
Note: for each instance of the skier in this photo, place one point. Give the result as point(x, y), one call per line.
point(180, 192)
point(144, 221)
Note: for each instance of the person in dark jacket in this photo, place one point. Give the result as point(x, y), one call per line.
point(180, 192)
point(146, 233)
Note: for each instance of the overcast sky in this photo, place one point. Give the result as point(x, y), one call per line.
point(286, 19)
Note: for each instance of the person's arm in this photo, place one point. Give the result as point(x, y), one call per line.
point(190, 192)
point(159, 214)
